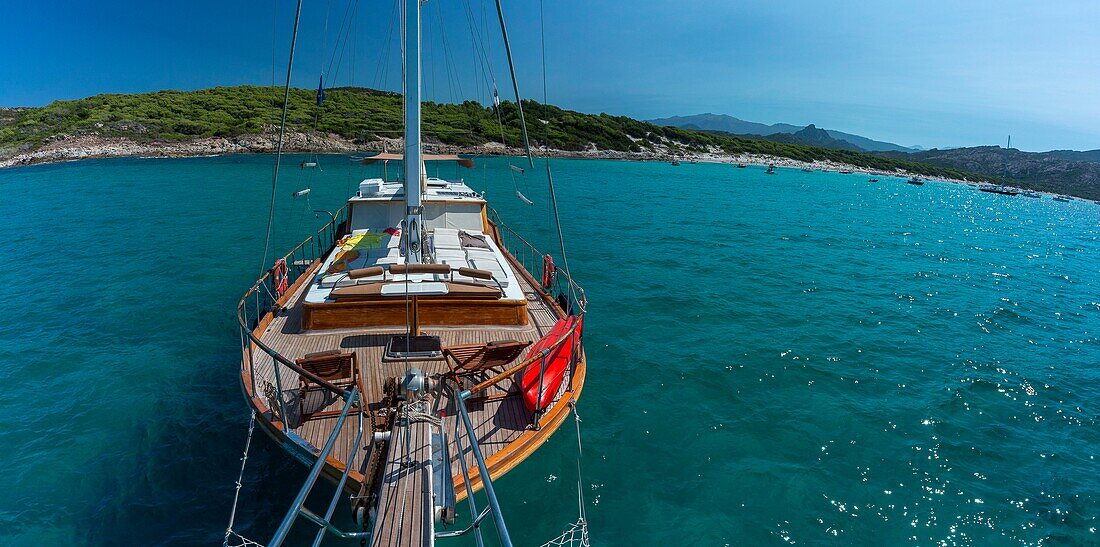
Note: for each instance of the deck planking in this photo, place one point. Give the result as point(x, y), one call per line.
point(405, 508)
point(497, 423)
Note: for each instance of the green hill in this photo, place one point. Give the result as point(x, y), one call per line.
point(364, 114)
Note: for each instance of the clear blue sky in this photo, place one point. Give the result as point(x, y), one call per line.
point(933, 73)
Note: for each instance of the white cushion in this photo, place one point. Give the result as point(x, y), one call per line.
point(447, 241)
point(456, 258)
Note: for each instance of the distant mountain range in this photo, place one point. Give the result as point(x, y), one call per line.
point(812, 136)
point(1061, 171)
point(775, 132)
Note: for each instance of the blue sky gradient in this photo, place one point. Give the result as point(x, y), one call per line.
point(930, 73)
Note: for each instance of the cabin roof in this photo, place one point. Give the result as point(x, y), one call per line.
point(376, 189)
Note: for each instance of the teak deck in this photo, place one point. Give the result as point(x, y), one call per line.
point(404, 493)
point(505, 429)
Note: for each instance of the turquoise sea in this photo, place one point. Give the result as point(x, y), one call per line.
point(805, 358)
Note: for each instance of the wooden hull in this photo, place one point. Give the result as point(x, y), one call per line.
point(303, 444)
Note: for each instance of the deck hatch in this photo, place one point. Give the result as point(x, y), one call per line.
point(403, 346)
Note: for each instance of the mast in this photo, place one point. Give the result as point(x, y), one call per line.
point(1007, 146)
point(413, 162)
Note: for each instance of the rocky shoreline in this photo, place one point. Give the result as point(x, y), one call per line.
point(65, 148)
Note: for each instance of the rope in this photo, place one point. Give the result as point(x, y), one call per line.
point(580, 456)
point(239, 540)
point(549, 174)
point(577, 533)
point(515, 83)
point(384, 53)
point(282, 134)
point(453, 83)
point(343, 36)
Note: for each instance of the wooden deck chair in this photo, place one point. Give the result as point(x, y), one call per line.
point(338, 368)
point(472, 358)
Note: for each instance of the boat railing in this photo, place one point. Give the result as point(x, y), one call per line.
point(532, 260)
point(570, 296)
point(573, 334)
point(297, 508)
point(266, 297)
point(492, 504)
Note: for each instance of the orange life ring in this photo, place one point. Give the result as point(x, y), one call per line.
point(548, 271)
point(279, 276)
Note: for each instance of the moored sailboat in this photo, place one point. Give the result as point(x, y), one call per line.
point(413, 349)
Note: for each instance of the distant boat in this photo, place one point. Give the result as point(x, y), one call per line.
point(308, 165)
point(675, 162)
point(915, 180)
point(694, 161)
point(1034, 195)
point(770, 171)
point(872, 180)
point(807, 169)
point(741, 166)
point(845, 172)
point(999, 190)
point(1063, 199)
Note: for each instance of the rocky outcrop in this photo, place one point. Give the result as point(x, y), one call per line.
point(77, 147)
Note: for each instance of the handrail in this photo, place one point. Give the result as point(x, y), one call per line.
point(339, 488)
point(523, 364)
point(534, 251)
point(469, 491)
point(457, 533)
point(337, 390)
point(486, 479)
point(327, 232)
point(315, 471)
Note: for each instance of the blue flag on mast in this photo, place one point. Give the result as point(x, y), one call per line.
point(321, 91)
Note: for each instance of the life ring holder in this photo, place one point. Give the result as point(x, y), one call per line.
point(280, 278)
point(548, 271)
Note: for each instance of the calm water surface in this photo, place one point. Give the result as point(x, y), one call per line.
point(804, 358)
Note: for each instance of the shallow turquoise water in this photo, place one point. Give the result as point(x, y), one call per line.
point(805, 358)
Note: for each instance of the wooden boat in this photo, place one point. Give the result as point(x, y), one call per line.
point(389, 350)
